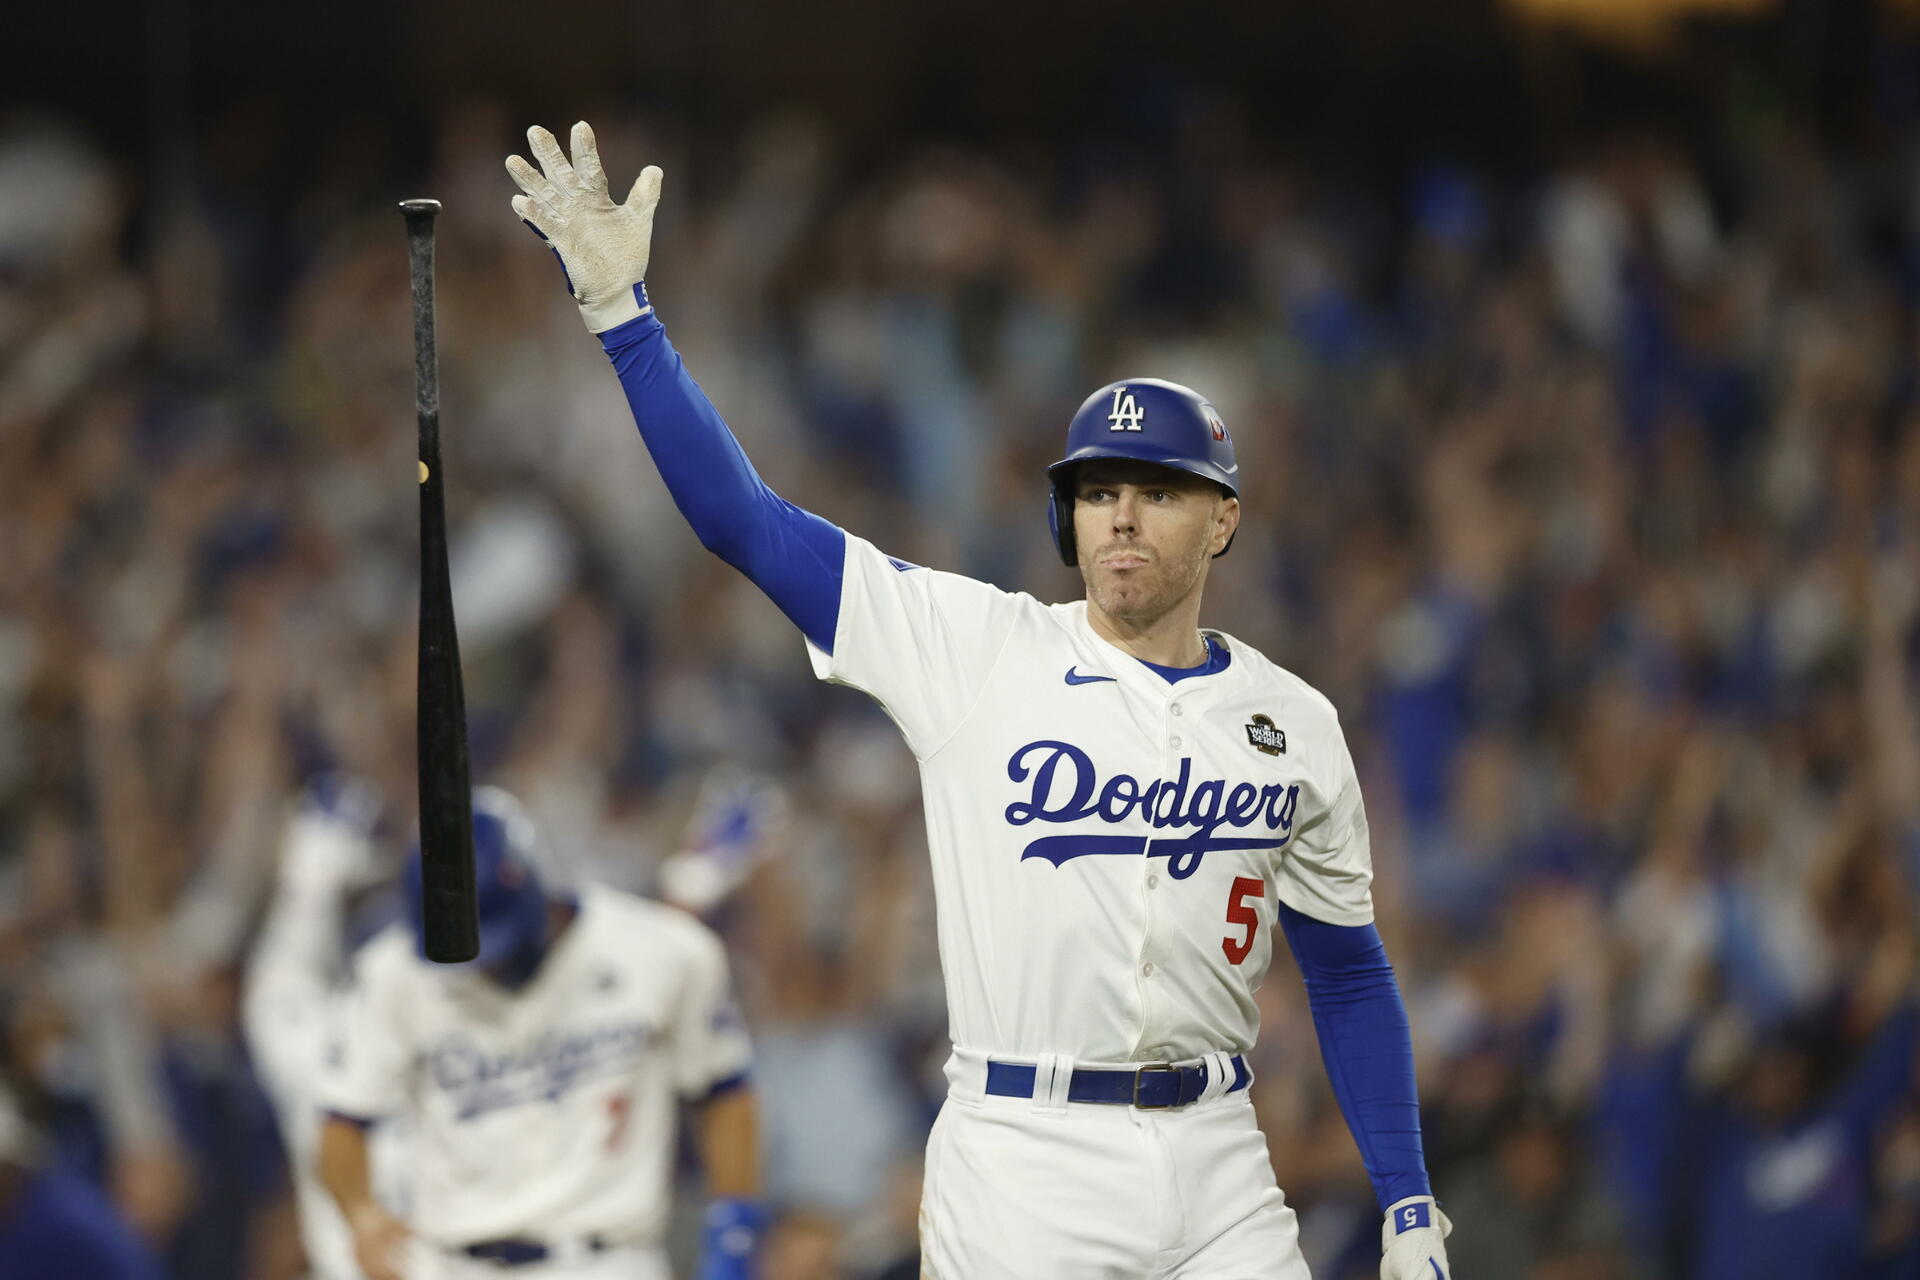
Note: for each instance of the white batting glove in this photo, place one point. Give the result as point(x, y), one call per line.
point(602, 246)
point(1413, 1241)
point(328, 850)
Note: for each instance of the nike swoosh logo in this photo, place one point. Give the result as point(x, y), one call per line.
point(1074, 677)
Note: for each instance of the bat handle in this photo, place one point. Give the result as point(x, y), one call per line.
point(420, 215)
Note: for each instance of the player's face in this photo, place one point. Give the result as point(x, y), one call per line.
point(1145, 535)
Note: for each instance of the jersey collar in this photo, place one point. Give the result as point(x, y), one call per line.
point(1146, 675)
point(1218, 656)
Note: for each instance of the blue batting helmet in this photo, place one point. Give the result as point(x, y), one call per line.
point(512, 902)
point(1148, 420)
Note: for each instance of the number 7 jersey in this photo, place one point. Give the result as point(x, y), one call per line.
point(1108, 847)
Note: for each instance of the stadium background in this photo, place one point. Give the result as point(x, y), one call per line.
point(1571, 350)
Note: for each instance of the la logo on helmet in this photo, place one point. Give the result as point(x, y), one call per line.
point(1126, 415)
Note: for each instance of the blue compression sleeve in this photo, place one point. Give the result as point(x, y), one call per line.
point(1366, 1045)
point(794, 556)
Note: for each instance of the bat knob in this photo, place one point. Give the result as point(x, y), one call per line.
point(420, 208)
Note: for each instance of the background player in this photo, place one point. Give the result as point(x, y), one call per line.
point(296, 975)
point(1057, 746)
point(540, 1082)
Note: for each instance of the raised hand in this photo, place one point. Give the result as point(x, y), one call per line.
point(602, 246)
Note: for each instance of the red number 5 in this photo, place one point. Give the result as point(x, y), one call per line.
point(1240, 913)
point(619, 1107)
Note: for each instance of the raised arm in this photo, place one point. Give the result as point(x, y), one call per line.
point(793, 555)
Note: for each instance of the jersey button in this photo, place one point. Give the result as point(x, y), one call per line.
point(1174, 741)
point(1153, 882)
point(1176, 708)
point(1146, 969)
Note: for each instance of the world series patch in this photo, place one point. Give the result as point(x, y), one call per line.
point(1262, 736)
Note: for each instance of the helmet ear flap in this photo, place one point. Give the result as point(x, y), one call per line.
point(1060, 524)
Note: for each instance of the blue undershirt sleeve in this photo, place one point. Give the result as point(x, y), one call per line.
point(792, 555)
point(1367, 1046)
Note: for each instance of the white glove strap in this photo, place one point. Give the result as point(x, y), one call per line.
point(623, 306)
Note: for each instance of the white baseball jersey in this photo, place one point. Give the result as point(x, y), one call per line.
point(292, 988)
point(546, 1112)
point(1107, 847)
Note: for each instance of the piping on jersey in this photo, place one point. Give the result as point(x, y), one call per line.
point(1206, 807)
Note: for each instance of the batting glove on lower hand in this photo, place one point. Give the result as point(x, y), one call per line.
point(730, 1248)
point(1413, 1241)
point(602, 246)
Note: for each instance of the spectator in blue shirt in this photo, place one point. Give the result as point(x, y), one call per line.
point(56, 1225)
point(1787, 1186)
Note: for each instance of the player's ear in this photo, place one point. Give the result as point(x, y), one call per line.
point(1226, 518)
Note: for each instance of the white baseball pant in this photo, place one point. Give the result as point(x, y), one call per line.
point(1025, 1189)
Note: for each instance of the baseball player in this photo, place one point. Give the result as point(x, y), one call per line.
point(540, 1083)
point(1119, 805)
point(295, 975)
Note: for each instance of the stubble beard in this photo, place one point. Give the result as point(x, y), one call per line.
point(1150, 593)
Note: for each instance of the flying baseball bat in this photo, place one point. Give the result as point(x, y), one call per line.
point(450, 919)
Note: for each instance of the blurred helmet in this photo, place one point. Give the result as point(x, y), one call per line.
point(512, 902)
point(1147, 420)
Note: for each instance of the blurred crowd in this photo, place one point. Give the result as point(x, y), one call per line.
point(1590, 497)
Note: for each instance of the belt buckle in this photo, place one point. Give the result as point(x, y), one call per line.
point(1159, 1068)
